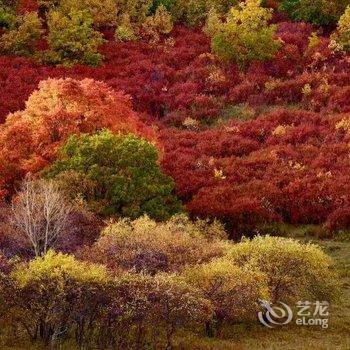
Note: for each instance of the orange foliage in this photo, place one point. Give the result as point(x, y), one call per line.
point(60, 107)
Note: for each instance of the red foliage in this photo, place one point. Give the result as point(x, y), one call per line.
point(27, 6)
point(84, 228)
point(30, 139)
point(250, 172)
point(339, 219)
point(290, 165)
point(173, 82)
point(340, 101)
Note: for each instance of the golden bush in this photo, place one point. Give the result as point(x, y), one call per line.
point(148, 246)
point(294, 270)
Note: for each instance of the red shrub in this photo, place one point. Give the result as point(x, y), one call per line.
point(340, 101)
point(339, 219)
point(294, 163)
point(27, 6)
point(289, 164)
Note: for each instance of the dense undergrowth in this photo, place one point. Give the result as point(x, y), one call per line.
point(141, 140)
point(264, 135)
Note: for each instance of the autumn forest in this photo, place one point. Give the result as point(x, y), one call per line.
point(174, 172)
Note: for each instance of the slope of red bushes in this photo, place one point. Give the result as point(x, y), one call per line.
point(285, 165)
point(290, 163)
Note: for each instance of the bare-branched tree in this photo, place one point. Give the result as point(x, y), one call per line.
point(41, 213)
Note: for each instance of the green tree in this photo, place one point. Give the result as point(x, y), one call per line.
point(72, 38)
point(245, 36)
point(22, 34)
point(318, 12)
point(116, 175)
point(7, 17)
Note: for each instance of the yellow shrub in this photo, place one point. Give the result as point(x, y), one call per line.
point(73, 39)
point(245, 36)
point(272, 84)
point(50, 292)
point(148, 246)
point(164, 302)
point(314, 40)
point(125, 30)
point(342, 36)
point(59, 266)
point(21, 40)
point(137, 10)
point(104, 12)
point(195, 11)
point(234, 291)
point(213, 23)
point(306, 90)
point(280, 130)
point(343, 124)
point(161, 21)
point(294, 270)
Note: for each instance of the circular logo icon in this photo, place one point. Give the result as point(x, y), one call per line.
point(275, 315)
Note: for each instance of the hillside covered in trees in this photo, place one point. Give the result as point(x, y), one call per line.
point(169, 167)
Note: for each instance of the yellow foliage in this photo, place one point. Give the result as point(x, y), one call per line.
point(234, 291)
point(137, 10)
point(296, 165)
point(103, 11)
point(216, 75)
point(21, 40)
point(125, 30)
point(272, 84)
point(245, 36)
point(59, 266)
point(72, 38)
point(150, 246)
point(212, 24)
point(190, 123)
point(294, 270)
point(343, 125)
point(306, 90)
point(324, 174)
point(325, 87)
point(161, 21)
point(313, 40)
point(195, 11)
point(342, 36)
point(280, 130)
point(162, 299)
point(219, 174)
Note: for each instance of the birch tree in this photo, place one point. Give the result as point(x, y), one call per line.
point(41, 214)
